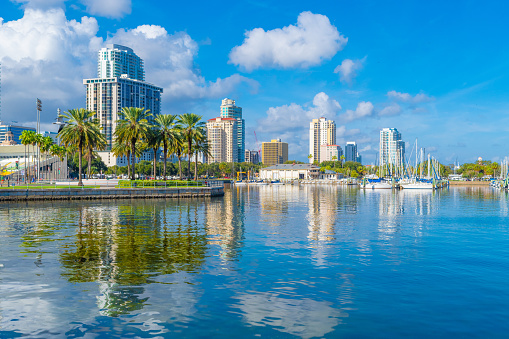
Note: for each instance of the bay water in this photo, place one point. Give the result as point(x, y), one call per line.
point(268, 261)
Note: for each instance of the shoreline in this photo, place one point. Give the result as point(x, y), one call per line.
point(468, 183)
point(16, 195)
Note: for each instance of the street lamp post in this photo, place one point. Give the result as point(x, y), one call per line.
point(39, 109)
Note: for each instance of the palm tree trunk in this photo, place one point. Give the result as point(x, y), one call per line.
point(89, 167)
point(196, 166)
point(180, 168)
point(25, 163)
point(155, 162)
point(133, 155)
point(80, 155)
point(165, 149)
point(189, 144)
point(128, 164)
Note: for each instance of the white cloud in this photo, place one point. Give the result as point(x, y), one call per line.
point(364, 109)
point(46, 56)
point(291, 123)
point(296, 116)
point(408, 98)
point(348, 69)
point(108, 8)
point(40, 4)
point(306, 44)
point(169, 63)
point(391, 110)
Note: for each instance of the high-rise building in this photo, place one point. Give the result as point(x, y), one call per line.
point(392, 149)
point(222, 138)
point(229, 110)
point(274, 152)
point(116, 60)
point(15, 130)
point(120, 84)
point(252, 156)
point(321, 132)
point(351, 151)
point(330, 152)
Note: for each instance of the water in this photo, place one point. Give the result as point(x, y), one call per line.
point(279, 261)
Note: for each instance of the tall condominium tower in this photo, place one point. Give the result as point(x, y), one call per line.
point(392, 149)
point(115, 60)
point(351, 151)
point(321, 132)
point(229, 110)
point(222, 137)
point(112, 91)
point(274, 152)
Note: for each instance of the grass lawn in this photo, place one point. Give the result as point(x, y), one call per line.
point(24, 187)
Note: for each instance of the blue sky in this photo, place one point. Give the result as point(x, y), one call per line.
point(436, 71)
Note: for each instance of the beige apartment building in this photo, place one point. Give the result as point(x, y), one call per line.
point(321, 132)
point(274, 152)
point(222, 136)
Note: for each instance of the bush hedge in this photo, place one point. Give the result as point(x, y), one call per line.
point(159, 183)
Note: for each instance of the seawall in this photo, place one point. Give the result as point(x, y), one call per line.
point(108, 193)
point(468, 183)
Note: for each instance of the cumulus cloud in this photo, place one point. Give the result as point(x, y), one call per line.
point(169, 63)
point(408, 98)
point(309, 42)
point(40, 4)
point(291, 122)
point(364, 109)
point(109, 8)
point(46, 56)
point(297, 116)
point(348, 69)
point(391, 110)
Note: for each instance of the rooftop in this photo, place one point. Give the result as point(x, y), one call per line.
point(292, 167)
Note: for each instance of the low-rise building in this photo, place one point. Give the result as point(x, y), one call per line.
point(330, 153)
point(252, 156)
point(290, 172)
point(274, 152)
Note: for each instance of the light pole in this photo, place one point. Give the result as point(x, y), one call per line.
point(60, 123)
point(39, 109)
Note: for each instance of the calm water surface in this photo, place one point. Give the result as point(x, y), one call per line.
point(279, 261)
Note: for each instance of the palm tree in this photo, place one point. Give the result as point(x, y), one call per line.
point(133, 127)
point(46, 143)
point(202, 146)
point(199, 137)
point(177, 147)
point(154, 142)
point(94, 142)
point(167, 126)
point(121, 149)
point(58, 151)
point(190, 124)
point(334, 158)
point(342, 160)
point(80, 127)
point(26, 139)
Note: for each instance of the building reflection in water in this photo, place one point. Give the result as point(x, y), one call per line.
point(224, 222)
point(306, 318)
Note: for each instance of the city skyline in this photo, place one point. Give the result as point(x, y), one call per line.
point(366, 66)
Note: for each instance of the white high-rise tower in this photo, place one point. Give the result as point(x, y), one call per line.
point(116, 60)
point(321, 132)
point(229, 110)
point(392, 149)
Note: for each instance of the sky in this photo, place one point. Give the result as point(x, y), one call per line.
point(437, 71)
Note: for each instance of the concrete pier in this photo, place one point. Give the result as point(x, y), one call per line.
point(75, 193)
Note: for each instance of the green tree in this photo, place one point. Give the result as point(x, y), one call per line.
point(80, 127)
point(177, 147)
point(342, 160)
point(132, 127)
point(27, 138)
point(190, 124)
point(167, 129)
point(154, 142)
